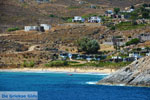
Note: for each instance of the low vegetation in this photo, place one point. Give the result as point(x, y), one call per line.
point(13, 29)
point(87, 64)
point(104, 64)
point(28, 64)
point(89, 15)
point(133, 41)
point(58, 63)
point(128, 26)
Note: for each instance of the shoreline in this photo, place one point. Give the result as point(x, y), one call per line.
point(61, 70)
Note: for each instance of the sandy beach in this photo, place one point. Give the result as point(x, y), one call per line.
point(63, 69)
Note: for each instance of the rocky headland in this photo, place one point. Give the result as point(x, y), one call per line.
point(135, 74)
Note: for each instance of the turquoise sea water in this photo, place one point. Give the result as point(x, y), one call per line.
point(61, 86)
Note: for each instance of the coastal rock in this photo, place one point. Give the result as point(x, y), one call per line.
point(136, 74)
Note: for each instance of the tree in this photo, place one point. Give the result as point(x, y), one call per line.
point(92, 46)
point(88, 45)
point(145, 14)
point(116, 10)
point(134, 15)
point(132, 7)
point(145, 5)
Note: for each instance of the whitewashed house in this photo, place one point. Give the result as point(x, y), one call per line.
point(78, 19)
point(109, 12)
point(144, 37)
point(42, 28)
point(147, 54)
point(82, 2)
point(136, 56)
point(31, 28)
point(94, 19)
point(130, 10)
point(46, 26)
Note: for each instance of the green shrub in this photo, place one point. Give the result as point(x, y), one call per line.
point(103, 64)
point(13, 29)
point(69, 20)
point(133, 41)
point(53, 16)
point(28, 64)
point(56, 63)
point(113, 28)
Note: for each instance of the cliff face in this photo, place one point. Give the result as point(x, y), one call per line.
point(137, 74)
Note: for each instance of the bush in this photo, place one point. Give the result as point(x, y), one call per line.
point(145, 14)
point(88, 45)
point(145, 5)
point(69, 20)
point(56, 64)
point(51, 15)
point(133, 41)
point(13, 29)
point(28, 64)
point(113, 28)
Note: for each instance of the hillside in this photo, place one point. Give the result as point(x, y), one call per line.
point(15, 13)
point(137, 74)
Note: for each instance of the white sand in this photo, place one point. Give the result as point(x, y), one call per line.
point(62, 69)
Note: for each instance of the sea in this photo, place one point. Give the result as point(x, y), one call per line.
point(69, 86)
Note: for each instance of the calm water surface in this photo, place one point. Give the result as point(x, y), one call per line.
point(61, 86)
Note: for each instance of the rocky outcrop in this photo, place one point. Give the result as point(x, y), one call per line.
point(136, 74)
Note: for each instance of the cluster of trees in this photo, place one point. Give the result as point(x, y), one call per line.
point(87, 45)
point(145, 12)
point(142, 12)
point(146, 5)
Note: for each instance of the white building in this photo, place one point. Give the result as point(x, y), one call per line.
point(117, 57)
point(46, 26)
point(78, 19)
point(109, 12)
point(31, 28)
point(130, 10)
point(144, 37)
point(94, 19)
point(147, 54)
point(38, 28)
point(82, 2)
point(135, 55)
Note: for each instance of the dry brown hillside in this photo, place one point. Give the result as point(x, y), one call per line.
point(14, 13)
